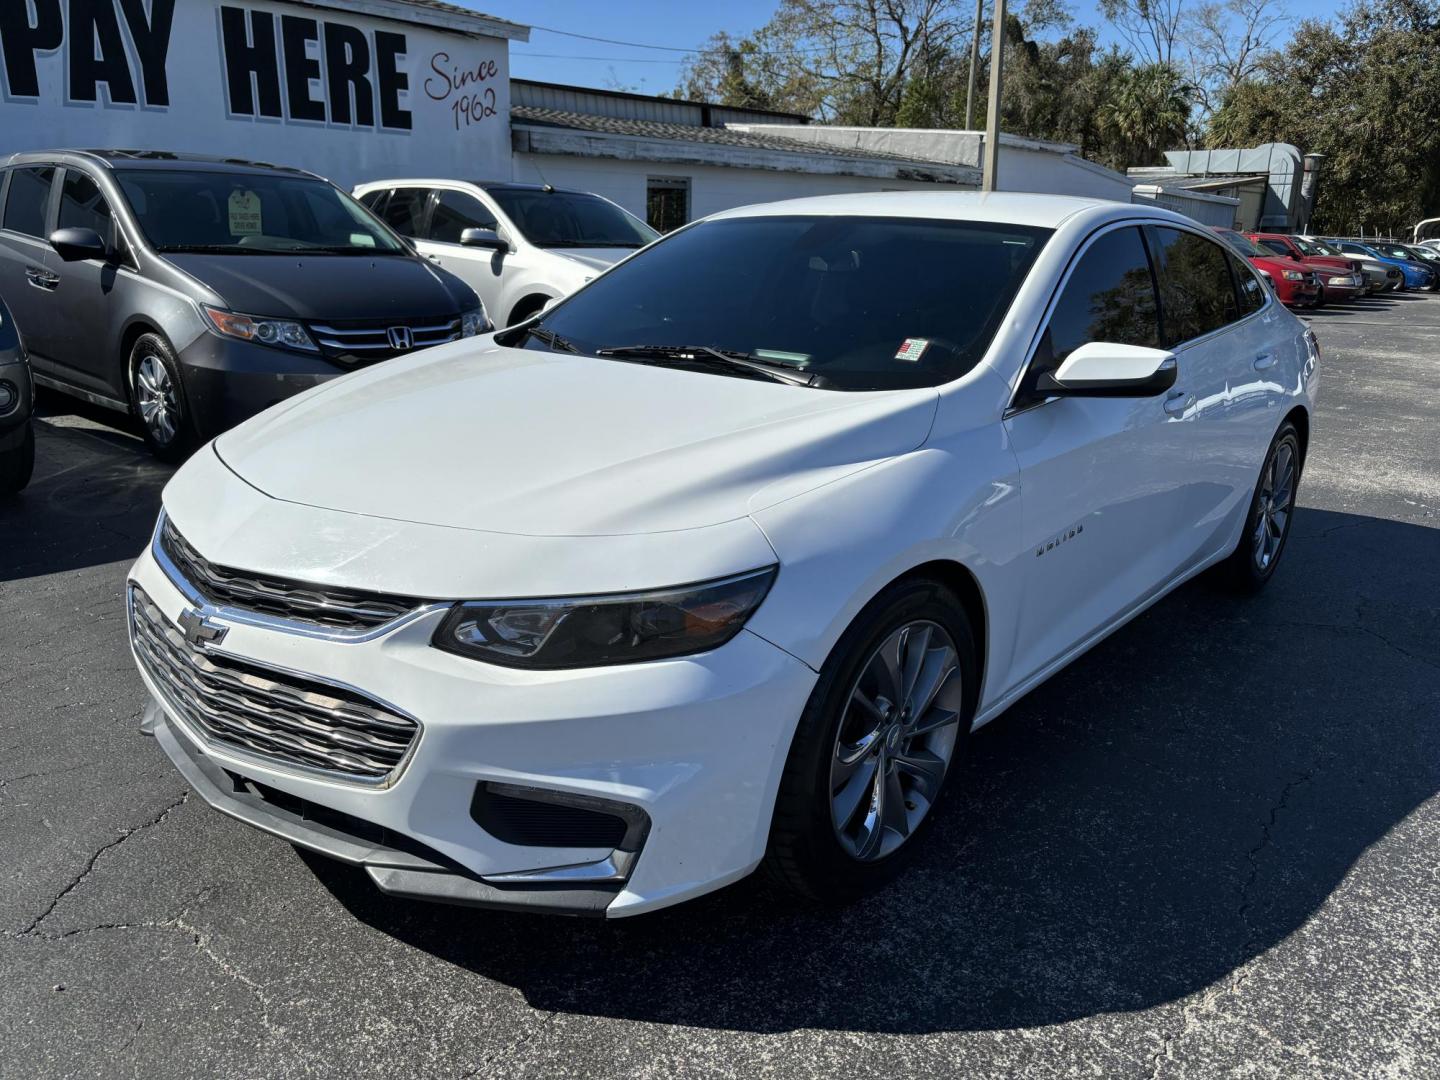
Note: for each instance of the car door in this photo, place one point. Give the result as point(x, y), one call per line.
point(1102, 480)
point(1220, 321)
point(26, 278)
point(451, 212)
point(84, 299)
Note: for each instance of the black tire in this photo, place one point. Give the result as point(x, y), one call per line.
point(805, 854)
point(17, 464)
point(173, 441)
point(1245, 570)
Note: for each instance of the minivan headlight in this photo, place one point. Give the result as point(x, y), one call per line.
point(1294, 275)
point(280, 333)
point(591, 631)
point(475, 322)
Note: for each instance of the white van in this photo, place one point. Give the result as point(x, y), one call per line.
point(519, 246)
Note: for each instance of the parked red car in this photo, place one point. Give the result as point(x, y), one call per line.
point(1340, 278)
point(1296, 284)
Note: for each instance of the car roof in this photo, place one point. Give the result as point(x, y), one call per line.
point(999, 207)
point(159, 160)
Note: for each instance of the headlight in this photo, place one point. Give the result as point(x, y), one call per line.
point(1294, 275)
point(277, 332)
point(475, 322)
point(591, 631)
point(1341, 281)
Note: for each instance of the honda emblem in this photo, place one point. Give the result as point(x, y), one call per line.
point(402, 339)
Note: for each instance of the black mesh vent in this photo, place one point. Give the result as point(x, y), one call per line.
point(532, 823)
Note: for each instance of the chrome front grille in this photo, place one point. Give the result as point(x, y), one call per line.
point(363, 342)
point(343, 609)
point(283, 717)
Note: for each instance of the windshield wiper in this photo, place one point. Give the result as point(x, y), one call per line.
point(551, 338)
point(710, 356)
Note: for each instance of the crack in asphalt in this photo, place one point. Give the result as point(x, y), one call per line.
point(149, 823)
point(1209, 1000)
point(524, 1040)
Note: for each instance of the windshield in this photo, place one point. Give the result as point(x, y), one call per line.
point(1245, 245)
point(866, 303)
point(1319, 248)
point(571, 219)
point(251, 214)
point(1394, 251)
point(1423, 253)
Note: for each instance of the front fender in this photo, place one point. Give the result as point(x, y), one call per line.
point(839, 545)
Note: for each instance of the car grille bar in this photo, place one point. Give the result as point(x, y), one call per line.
point(276, 715)
point(376, 337)
point(344, 609)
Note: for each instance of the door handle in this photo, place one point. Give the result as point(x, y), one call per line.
point(42, 278)
point(1264, 360)
point(1179, 402)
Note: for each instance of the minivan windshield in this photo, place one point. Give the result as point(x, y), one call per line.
point(251, 214)
point(561, 219)
point(861, 303)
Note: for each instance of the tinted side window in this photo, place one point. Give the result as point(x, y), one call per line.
point(455, 212)
point(1252, 289)
point(1195, 285)
point(1110, 297)
point(405, 212)
point(28, 199)
point(82, 206)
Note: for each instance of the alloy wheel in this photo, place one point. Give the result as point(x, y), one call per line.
point(896, 740)
point(1276, 504)
point(156, 399)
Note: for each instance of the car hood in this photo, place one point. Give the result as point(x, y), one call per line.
point(322, 287)
point(1279, 262)
point(477, 436)
point(1329, 262)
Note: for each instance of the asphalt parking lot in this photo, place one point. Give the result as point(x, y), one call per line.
point(1208, 848)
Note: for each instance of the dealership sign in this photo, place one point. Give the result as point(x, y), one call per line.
point(285, 82)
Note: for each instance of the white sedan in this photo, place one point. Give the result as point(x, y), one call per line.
point(719, 562)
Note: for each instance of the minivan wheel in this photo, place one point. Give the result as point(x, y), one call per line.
point(157, 399)
point(18, 463)
point(885, 728)
point(1272, 511)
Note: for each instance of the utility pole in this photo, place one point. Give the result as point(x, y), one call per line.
point(991, 161)
point(974, 65)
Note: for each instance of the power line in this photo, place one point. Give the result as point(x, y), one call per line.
point(607, 59)
point(610, 41)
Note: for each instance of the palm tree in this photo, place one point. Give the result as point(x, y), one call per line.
point(1149, 111)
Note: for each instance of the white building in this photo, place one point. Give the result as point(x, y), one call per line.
point(369, 89)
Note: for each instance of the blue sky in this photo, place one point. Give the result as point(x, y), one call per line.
point(681, 24)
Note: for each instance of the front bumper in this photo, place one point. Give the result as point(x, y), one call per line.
point(697, 744)
point(228, 381)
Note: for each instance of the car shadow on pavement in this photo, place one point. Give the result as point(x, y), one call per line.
point(1173, 805)
point(93, 500)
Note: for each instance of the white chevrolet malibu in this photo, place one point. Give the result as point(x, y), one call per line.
point(717, 563)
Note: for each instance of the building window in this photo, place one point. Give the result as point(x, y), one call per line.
point(667, 202)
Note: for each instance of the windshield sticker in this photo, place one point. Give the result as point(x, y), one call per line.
point(912, 349)
point(245, 213)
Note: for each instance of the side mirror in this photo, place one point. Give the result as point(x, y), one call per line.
point(73, 245)
point(1104, 369)
point(483, 238)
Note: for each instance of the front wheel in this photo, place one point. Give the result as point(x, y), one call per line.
point(884, 730)
point(1272, 510)
point(157, 399)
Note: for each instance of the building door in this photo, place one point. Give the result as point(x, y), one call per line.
point(667, 202)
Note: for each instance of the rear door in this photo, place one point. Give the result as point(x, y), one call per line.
point(1221, 322)
point(26, 279)
point(1102, 480)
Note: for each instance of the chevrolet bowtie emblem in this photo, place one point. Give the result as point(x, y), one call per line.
point(200, 631)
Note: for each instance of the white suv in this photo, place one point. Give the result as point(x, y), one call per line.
point(519, 246)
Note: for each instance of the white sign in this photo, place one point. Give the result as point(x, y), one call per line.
point(348, 96)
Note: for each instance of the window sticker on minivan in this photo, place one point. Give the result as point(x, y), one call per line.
point(245, 214)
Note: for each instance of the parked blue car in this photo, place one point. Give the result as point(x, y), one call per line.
point(1417, 275)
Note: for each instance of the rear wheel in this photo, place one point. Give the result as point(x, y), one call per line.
point(18, 463)
point(1272, 510)
point(885, 728)
point(157, 399)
